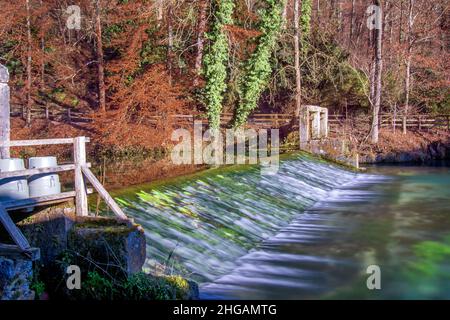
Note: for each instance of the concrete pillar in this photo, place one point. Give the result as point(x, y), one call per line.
point(315, 125)
point(304, 129)
point(5, 127)
point(324, 123)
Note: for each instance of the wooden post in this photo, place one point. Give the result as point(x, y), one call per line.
point(5, 127)
point(103, 193)
point(47, 115)
point(356, 161)
point(404, 124)
point(80, 185)
point(13, 231)
point(419, 119)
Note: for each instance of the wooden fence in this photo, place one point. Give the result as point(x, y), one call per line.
point(390, 121)
point(53, 113)
point(258, 120)
point(82, 173)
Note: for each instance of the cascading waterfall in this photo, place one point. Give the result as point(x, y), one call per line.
point(200, 226)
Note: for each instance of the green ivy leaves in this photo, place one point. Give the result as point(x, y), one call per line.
point(305, 23)
point(215, 61)
point(258, 68)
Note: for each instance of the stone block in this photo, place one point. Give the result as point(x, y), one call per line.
point(47, 229)
point(118, 248)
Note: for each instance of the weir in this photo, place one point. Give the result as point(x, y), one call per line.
point(200, 226)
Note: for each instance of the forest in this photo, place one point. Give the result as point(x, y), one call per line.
point(328, 179)
point(120, 62)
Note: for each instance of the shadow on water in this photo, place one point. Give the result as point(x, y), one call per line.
point(309, 232)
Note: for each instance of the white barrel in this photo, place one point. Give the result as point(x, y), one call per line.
point(13, 188)
point(43, 184)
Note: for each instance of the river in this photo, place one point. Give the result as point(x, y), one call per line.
point(309, 232)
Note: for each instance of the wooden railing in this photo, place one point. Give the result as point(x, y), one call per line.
point(68, 115)
point(260, 120)
point(404, 123)
point(83, 175)
point(53, 113)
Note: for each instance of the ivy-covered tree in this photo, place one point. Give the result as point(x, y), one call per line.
point(215, 61)
point(305, 24)
point(258, 68)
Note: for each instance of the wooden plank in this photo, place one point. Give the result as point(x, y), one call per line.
point(13, 231)
point(5, 126)
point(40, 201)
point(103, 193)
point(29, 172)
point(39, 142)
point(80, 184)
point(12, 251)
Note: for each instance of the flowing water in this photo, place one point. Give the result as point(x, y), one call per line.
point(309, 232)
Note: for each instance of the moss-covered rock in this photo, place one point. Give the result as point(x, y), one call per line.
point(137, 287)
point(15, 278)
point(47, 229)
point(118, 247)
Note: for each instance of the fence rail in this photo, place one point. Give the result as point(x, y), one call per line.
point(52, 113)
point(260, 120)
point(404, 123)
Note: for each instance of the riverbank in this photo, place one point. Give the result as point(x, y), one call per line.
point(415, 147)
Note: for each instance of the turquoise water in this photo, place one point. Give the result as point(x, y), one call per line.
point(309, 232)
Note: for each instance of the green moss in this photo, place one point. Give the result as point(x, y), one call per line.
point(37, 284)
point(138, 287)
point(104, 223)
point(180, 285)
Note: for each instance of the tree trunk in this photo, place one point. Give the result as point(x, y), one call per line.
point(352, 23)
point(160, 13)
point(378, 61)
point(43, 55)
point(29, 61)
point(318, 16)
point(409, 56)
point(390, 22)
point(400, 27)
point(339, 16)
point(100, 58)
point(170, 40)
point(203, 8)
point(284, 14)
point(298, 75)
